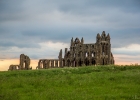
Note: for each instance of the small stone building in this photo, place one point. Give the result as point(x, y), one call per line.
point(24, 63)
point(81, 54)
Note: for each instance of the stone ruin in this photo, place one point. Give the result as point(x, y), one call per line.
point(14, 67)
point(24, 64)
point(48, 63)
point(81, 54)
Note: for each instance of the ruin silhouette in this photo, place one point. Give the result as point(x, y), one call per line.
point(24, 64)
point(81, 54)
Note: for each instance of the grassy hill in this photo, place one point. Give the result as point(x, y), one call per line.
point(80, 83)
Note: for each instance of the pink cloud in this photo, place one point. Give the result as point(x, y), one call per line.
point(126, 59)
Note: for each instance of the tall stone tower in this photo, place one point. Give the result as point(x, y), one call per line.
point(104, 55)
point(60, 59)
point(24, 62)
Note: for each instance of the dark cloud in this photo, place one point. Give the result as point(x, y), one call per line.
point(92, 7)
point(26, 24)
point(19, 44)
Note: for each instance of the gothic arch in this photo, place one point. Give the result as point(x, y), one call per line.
point(87, 62)
point(86, 54)
point(41, 64)
point(24, 62)
point(93, 62)
point(80, 62)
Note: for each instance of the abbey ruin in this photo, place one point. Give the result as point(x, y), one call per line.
point(80, 54)
point(24, 64)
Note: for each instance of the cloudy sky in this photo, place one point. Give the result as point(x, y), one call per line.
point(40, 28)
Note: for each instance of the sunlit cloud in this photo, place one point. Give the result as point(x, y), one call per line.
point(127, 55)
point(132, 49)
point(4, 64)
point(126, 59)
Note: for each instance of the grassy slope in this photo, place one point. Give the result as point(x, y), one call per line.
point(82, 83)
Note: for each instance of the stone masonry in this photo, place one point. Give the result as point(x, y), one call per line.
point(81, 54)
point(24, 63)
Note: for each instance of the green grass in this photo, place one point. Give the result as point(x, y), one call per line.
point(80, 83)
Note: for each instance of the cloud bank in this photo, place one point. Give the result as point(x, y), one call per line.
point(39, 28)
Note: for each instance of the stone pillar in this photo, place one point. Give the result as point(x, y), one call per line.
point(60, 58)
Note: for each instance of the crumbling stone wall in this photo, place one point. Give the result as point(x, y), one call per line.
point(81, 54)
point(14, 67)
point(47, 63)
point(24, 64)
point(98, 53)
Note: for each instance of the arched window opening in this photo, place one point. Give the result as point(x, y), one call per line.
point(103, 62)
point(93, 62)
point(86, 54)
point(52, 63)
point(86, 62)
point(80, 62)
point(41, 64)
point(24, 65)
point(103, 47)
point(92, 55)
point(93, 46)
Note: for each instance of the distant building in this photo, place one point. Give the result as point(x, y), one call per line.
point(24, 64)
point(81, 54)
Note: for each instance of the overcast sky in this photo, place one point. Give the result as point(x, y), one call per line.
point(40, 28)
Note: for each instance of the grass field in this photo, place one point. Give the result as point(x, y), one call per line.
point(80, 83)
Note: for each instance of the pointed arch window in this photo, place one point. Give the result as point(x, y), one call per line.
point(86, 54)
point(92, 54)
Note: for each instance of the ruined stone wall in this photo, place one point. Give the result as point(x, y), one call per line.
point(81, 54)
point(14, 67)
point(24, 63)
point(48, 63)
